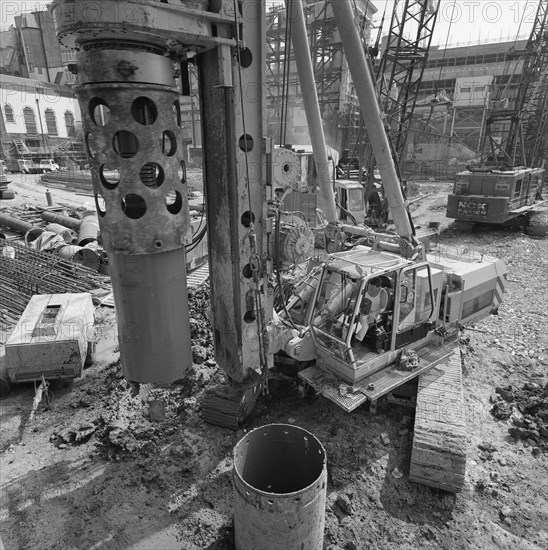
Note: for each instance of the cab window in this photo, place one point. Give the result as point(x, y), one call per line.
point(415, 297)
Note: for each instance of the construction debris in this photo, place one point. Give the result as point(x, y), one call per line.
point(528, 408)
point(78, 434)
point(40, 393)
point(19, 225)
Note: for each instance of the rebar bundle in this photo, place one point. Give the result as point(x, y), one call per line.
point(32, 272)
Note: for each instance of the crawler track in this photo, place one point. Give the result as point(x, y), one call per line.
point(438, 456)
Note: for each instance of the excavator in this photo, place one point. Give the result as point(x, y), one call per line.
point(133, 60)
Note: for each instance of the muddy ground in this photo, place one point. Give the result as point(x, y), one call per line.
point(130, 483)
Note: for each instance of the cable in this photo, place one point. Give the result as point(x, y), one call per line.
point(285, 77)
point(278, 275)
point(349, 214)
point(200, 231)
point(195, 242)
point(436, 88)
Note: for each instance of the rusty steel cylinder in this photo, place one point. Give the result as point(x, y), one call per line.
point(132, 131)
point(279, 478)
point(153, 326)
point(89, 230)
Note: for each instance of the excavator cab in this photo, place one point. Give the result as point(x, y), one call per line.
point(351, 201)
point(357, 333)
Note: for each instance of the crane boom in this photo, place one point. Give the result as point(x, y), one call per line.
point(372, 116)
point(303, 59)
point(402, 66)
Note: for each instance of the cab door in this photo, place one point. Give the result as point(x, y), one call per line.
point(414, 305)
point(342, 199)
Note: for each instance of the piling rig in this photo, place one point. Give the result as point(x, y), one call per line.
point(132, 65)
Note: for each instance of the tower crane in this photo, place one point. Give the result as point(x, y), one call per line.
point(401, 68)
point(399, 75)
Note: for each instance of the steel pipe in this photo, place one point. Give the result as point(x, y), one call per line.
point(67, 221)
point(15, 224)
point(152, 313)
point(279, 480)
point(89, 230)
point(372, 115)
point(79, 255)
point(303, 59)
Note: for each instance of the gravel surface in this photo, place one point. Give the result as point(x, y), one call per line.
point(102, 469)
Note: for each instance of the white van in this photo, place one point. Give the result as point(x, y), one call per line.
point(48, 165)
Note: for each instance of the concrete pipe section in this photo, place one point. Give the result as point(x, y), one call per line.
point(280, 478)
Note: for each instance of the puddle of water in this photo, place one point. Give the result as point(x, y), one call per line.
point(166, 539)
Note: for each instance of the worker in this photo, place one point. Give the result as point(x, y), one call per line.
point(374, 302)
point(374, 202)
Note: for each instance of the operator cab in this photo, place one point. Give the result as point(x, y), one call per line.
point(350, 197)
point(368, 305)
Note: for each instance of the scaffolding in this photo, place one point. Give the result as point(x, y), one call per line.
point(335, 92)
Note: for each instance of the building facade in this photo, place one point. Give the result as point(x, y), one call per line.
point(30, 50)
point(38, 119)
point(458, 89)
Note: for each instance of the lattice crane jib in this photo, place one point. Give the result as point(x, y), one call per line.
point(513, 135)
point(401, 68)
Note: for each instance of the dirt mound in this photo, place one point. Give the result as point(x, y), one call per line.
point(199, 306)
point(528, 408)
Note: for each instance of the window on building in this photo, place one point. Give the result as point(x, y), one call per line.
point(51, 122)
point(30, 121)
point(69, 123)
point(8, 111)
